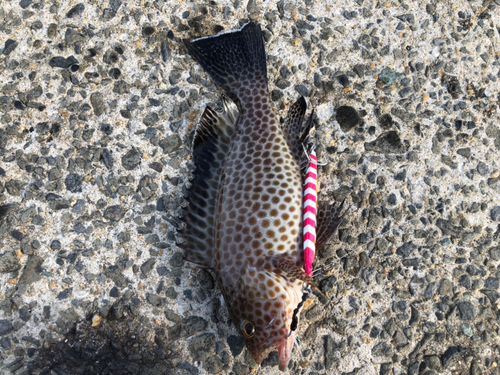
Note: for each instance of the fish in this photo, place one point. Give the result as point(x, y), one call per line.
point(244, 213)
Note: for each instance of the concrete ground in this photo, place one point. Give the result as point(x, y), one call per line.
point(98, 103)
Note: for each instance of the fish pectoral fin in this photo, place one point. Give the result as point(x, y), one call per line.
point(328, 221)
point(290, 269)
point(210, 147)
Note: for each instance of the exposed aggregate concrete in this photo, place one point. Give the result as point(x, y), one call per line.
point(98, 103)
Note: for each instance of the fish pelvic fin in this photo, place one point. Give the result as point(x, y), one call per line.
point(328, 221)
point(290, 268)
point(236, 60)
point(210, 147)
point(292, 128)
point(296, 131)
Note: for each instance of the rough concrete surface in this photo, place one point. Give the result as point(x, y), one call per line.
point(98, 103)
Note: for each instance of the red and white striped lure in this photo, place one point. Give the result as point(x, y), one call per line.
point(309, 212)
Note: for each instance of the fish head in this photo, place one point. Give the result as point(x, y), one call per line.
point(267, 310)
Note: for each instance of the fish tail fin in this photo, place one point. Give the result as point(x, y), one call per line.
point(236, 60)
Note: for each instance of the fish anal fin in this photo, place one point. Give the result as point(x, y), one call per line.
point(328, 221)
point(210, 146)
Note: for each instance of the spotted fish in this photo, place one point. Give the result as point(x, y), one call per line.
point(244, 217)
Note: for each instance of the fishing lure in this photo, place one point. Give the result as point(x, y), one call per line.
point(309, 215)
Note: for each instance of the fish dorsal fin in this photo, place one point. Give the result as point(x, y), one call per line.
point(328, 221)
point(210, 146)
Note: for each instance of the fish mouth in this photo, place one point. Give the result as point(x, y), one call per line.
point(285, 351)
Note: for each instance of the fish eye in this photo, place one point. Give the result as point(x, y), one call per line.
point(247, 328)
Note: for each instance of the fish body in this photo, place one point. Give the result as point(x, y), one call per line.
point(244, 217)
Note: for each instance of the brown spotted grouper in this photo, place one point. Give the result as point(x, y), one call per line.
point(244, 215)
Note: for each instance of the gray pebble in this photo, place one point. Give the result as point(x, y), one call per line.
point(5, 343)
point(147, 266)
point(445, 287)
point(347, 117)
point(433, 362)
point(62, 62)
point(166, 54)
point(495, 253)
point(415, 316)
point(121, 87)
point(465, 152)
point(467, 329)
point(386, 143)
point(78, 207)
point(73, 183)
point(389, 76)
point(491, 283)
point(24, 313)
point(202, 346)
point(189, 326)
point(466, 310)
point(482, 168)
point(327, 284)
point(448, 228)
point(213, 365)
point(97, 102)
point(495, 213)
point(162, 271)
point(241, 369)
point(5, 326)
point(131, 159)
point(107, 158)
point(114, 213)
point(236, 344)
point(9, 262)
point(385, 368)
point(271, 361)
point(330, 355)
point(55, 174)
point(302, 90)
point(10, 45)
point(32, 270)
point(177, 260)
point(77, 10)
point(205, 279)
point(55, 245)
point(151, 119)
point(406, 249)
point(314, 313)
point(14, 187)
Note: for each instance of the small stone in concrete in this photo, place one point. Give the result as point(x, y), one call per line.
point(131, 159)
point(9, 262)
point(466, 310)
point(202, 346)
point(32, 270)
point(114, 213)
point(97, 102)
